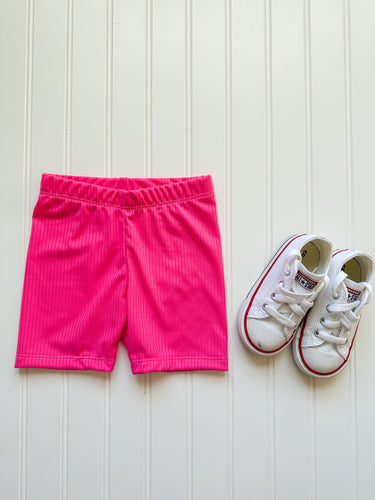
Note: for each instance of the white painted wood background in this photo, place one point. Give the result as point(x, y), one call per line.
point(274, 98)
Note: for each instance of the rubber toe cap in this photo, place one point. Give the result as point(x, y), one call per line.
point(264, 335)
point(320, 361)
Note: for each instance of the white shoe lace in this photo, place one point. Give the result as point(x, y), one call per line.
point(298, 303)
point(344, 314)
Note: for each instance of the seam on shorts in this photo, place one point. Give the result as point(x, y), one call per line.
point(62, 357)
point(146, 360)
point(135, 207)
point(127, 269)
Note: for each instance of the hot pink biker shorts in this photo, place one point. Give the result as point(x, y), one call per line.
point(123, 258)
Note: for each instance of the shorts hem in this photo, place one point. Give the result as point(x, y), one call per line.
point(184, 363)
point(64, 362)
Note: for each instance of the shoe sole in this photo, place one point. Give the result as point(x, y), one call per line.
point(249, 298)
point(300, 363)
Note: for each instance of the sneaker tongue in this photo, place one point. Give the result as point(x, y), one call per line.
point(353, 289)
point(305, 281)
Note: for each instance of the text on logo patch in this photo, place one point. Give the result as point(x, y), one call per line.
point(304, 281)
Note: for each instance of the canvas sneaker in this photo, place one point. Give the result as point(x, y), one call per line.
point(324, 340)
point(283, 293)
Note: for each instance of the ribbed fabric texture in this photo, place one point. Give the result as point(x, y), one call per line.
point(123, 258)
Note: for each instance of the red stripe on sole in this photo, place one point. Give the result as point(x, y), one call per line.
point(321, 374)
point(283, 248)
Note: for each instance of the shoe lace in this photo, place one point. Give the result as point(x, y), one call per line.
point(341, 315)
point(297, 303)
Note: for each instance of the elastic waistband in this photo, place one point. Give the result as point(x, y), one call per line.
point(127, 192)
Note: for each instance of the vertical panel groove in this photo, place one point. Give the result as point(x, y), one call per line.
point(68, 86)
point(148, 90)
point(108, 91)
point(311, 420)
point(269, 231)
point(64, 437)
point(308, 113)
point(28, 121)
point(188, 87)
point(353, 428)
point(311, 448)
point(107, 173)
point(228, 230)
point(189, 436)
point(147, 437)
point(22, 435)
point(188, 172)
point(348, 117)
point(64, 398)
point(64, 395)
point(106, 436)
point(147, 380)
point(23, 387)
point(268, 122)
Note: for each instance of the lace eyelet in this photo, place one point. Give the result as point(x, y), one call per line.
point(273, 294)
point(316, 333)
point(335, 295)
point(264, 307)
point(322, 320)
point(287, 273)
point(327, 308)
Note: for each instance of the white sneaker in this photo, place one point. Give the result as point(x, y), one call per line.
point(324, 340)
point(285, 291)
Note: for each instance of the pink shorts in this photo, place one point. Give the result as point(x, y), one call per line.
point(136, 259)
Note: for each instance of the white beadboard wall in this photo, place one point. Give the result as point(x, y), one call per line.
point(275, 99)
